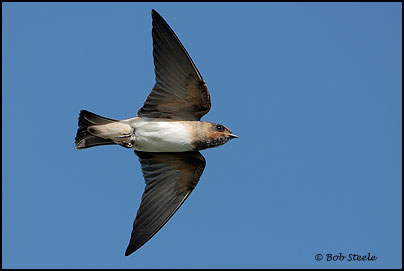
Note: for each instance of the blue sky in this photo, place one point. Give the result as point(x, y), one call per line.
point(313, 90)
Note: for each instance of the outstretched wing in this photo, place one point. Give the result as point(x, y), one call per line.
point(170, 178)
point(180, 93)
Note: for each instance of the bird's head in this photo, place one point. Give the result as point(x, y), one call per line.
point(216, 135)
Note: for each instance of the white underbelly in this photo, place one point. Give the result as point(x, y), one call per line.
point(161, 136)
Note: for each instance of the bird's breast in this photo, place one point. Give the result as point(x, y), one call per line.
point(154, 135)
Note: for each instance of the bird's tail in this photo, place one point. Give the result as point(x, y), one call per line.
point(84, 139)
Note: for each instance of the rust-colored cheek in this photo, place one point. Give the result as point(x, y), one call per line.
point(212, 136)
point(216, 139)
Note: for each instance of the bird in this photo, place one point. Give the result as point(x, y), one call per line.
point(167, 134)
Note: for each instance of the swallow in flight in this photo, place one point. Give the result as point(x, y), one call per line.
point(166, 134)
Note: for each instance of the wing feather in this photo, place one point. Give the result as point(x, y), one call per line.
point(170, 178)
point(180, 93)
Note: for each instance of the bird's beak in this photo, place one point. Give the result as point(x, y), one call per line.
point(232, 136)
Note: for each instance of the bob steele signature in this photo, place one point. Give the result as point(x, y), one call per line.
point(350, 257)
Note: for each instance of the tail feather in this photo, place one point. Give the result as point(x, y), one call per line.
point(84, 139)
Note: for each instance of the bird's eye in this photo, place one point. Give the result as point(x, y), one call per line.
point(219, 127)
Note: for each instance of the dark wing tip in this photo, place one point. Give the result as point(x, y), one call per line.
point(155, 14)
point(129, 251)
point(133, 246)
point(157, 19)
